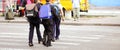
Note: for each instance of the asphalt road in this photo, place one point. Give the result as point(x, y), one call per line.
point(14, 36)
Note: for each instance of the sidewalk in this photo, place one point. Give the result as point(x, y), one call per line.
point(111, 18)
point(101, 21)
point(102, 12)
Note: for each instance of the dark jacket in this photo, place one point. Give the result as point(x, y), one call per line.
point(35, 19)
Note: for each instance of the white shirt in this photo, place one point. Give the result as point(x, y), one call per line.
point(76, 3)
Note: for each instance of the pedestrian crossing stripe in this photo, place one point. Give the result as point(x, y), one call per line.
point(14, 33)
point(67, 43)
point(12, 49)
point(76, 40)
point(64, 39)
point(12, 44)
point(84, 37)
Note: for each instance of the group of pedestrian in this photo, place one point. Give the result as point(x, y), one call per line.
point(49, 17)
point(20, 5)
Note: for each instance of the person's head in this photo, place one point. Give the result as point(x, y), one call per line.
point(38, 1)
point(47, 0)
point(57, 2)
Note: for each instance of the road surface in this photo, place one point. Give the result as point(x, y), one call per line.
point(14, 36)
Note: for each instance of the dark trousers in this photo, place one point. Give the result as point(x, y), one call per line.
point(57, 28)
point(31, 32)
point(48, 26)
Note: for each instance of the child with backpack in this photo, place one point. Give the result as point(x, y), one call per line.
point(46, 14)
point(57, 18)
point(31, 12)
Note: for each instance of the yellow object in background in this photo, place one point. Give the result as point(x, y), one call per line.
point(84, 5)
point(67, 4)
point(44, 1)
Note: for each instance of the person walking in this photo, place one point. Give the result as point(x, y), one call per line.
point(76, 9)
point(34, 21)
point(57, 19)
point(47, 23)
point(21, 7)
point(18, 4)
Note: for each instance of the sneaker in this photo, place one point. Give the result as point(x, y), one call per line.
point(56, 38)
point(30, 44)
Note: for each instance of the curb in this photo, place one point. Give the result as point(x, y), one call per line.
point(64, 23)
point(8, 21)
point(90, 24)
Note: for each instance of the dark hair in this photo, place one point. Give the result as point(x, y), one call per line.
point(47, 0)
point(35, 1)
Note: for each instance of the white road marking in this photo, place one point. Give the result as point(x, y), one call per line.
point(15, 33)
point(12, 44)
point(84, 37)
point(64, 40)
point(76, 40)
point(66, 43)
point(12, 49)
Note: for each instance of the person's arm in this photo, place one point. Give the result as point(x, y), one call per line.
point(8, 4)
point(72, 1)
point(62, 16)
point(61, 12)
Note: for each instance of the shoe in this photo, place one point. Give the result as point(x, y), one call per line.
point(56, 38)
point(44, 42)
point(53, 40)
point(39, 42)
point(48, 44)
point(30, 44)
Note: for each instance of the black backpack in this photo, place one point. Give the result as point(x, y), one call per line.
point(57, 12)
point(30, 10)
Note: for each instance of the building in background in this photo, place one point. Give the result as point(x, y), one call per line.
point(104, 4)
